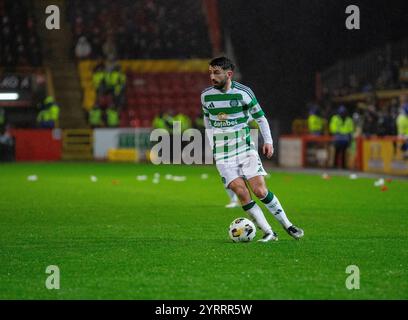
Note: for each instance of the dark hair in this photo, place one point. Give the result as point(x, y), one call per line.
point(223, 62)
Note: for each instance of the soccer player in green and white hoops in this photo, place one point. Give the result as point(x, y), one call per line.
point(226, 107)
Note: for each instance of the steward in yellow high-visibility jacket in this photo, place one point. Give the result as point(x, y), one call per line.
point(315, 122)
point(159, 122)
point(402, 125)
point(342, 128)
point(95, 117)
point(185, 122)
point(48, 117)
point(99, 78)
point(112, 117)
point(402, 121)
point(116, 81)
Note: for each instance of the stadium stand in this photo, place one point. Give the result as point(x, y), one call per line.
point(158, 46)
point(21, 64)
point(372, 91)
point(153, 86)
point(149, 29)
point(19, 41)
point(382, 69)
point(372, 86)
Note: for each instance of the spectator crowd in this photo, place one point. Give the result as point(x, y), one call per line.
point(144, 29)
point(366, 119)
point(391, 75)
point(19, 42)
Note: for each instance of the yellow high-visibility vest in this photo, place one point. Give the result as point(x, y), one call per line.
point(315, 123)
point(112, 117)
point(402, 125)
point(338, 126)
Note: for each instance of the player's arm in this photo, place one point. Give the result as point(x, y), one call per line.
point(259, 116)
point(267, 148)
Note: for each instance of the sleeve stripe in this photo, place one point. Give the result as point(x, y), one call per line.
point(253, 103)
point(259, 114)
point(246, 89)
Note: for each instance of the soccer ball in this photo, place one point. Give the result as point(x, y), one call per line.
point(242, 230)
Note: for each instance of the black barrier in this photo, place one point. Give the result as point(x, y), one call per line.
point(207, 309)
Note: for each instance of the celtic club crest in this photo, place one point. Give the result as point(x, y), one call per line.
point(234, 103)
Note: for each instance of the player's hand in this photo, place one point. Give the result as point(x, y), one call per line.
point(267, 150)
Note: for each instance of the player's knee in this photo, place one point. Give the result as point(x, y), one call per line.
point(244, 197)
point(260, 191)
point(241, 191)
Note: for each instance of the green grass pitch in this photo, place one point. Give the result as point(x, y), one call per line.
point(119, 238)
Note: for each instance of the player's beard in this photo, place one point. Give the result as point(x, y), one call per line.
point(220, 84)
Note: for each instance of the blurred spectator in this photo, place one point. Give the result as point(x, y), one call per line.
point(341, 127)
point(109, 47)
point(112, 117)
point(48, 117)
point(368, 87)
point(403, 73)
point(184, 121)
point(6, 145)
point(386, 122)
point(98, 79)
point(402, 122)
point(168, 118)
point(370, 122)
point(83, 48)
point(2, 118)
point(402, 125)
point(53, 109)
point(315, 121)
point(116, 81)
point(161, 122)
point(358, 118)
point(95, 117)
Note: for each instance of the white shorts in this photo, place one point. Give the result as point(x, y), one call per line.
point(246, 167)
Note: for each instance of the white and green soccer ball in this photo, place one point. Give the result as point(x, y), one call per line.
point(242, 230)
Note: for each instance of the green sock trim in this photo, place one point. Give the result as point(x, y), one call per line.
point(248, 206)
point(268, 198)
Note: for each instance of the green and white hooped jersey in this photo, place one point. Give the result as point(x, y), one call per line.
point(228, 114)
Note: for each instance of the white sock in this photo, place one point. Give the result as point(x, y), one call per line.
point(273, 205)
point(231, 194)
point(257, 216)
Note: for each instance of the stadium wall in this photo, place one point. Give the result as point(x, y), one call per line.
point(376, 155)
point(107, 141)
point(37, 145)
